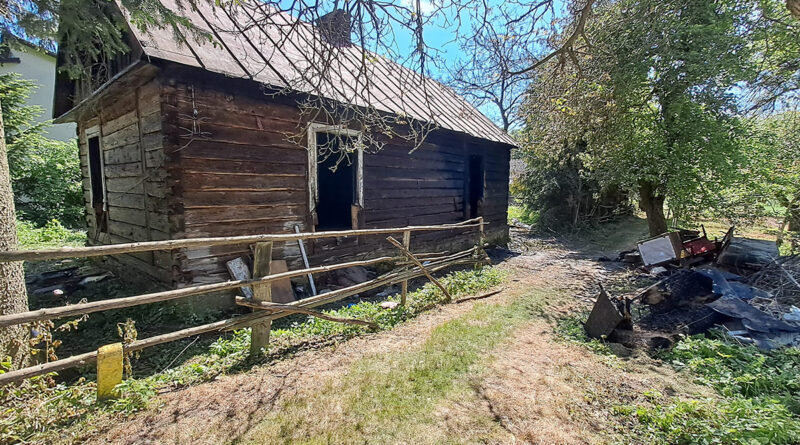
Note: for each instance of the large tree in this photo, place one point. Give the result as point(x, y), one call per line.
point(654, 101)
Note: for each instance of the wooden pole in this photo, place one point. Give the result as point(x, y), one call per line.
point(117, 303)
point(146, 246)
point(259, 337)
point(264, 305)
point(421, 267)
point(404, 284)
point(237, 322)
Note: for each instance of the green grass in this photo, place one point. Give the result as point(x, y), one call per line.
point(759, 393)
point(392, 397)
point(37, 409)
point(53, 234)
point(571, 329)
point(759, 403)
point(733, 421)
point(522, 214)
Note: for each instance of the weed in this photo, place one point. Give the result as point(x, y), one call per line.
point(735, 421)
point(760, 396)
point(734, 369)
point(571, 329)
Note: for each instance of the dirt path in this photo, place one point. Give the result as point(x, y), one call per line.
point(531, 389)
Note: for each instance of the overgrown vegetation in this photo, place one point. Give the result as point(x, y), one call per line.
point(760, 396)
point(39, 407)
point(759, 393)
point(658, 109)
point(52, 234)
point(571, 329)
point(45, 173)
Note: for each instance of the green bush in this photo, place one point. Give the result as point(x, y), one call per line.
point(53, 234)
point(46, 178)
point(45, 173)
point(522, 214)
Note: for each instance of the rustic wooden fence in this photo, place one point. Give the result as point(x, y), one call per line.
point(411, 266)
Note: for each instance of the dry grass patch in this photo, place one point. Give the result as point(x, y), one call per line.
point(398, 397)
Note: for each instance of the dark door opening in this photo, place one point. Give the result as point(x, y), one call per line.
point(475, 186)
point(336, 183)
point(96, 182)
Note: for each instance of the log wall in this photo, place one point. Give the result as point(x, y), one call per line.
point(134, 173)
point(192, 155)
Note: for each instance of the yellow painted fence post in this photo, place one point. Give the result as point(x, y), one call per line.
point(109, 370)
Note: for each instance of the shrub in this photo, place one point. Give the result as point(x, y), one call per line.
point(53, 234)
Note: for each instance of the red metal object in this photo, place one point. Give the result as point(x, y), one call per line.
point(699, 246)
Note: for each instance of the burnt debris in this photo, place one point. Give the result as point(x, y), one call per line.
point(740, 285)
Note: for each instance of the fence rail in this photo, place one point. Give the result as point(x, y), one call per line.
point(260, 318)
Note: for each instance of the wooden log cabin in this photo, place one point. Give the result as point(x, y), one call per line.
point(188, 138)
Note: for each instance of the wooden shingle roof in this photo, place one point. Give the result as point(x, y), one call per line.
point(272, 48)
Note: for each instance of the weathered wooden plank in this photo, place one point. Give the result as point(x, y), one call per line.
point(214, 198)
point(200, 165)
point(207, 149)
point(154, 159)
point(122, 155)
point(127, 231)
point(125, 185)
point(114, 125)
point(153, 141)
point(124, 136)
point(132, 216)
point(411, 193)
point(123, 170)
point(237, 182)
point(151, 123)
point(449, 202)
point(234, 213)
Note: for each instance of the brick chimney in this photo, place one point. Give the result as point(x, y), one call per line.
point(335, 28)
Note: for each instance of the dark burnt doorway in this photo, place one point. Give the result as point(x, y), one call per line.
point(475, 185)
point(336, 182)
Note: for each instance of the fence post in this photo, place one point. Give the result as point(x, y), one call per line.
point(109, 370)
point(263, 292)
point(482, 240)
point(404, 284)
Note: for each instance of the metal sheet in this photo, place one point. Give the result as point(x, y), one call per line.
point(279, 50)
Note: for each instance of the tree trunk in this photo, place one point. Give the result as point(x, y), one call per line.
point(13, 295)
point(793, 216)
point(653, 206)
point(794, 8)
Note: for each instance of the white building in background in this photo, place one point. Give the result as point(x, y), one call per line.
point(39, 66)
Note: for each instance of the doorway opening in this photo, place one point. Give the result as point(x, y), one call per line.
point(336, 182)
point(97, 182)
point(475, 186)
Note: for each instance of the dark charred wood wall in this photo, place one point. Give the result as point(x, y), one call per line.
point(240, 170)
point(129, 124)
point(192, 155)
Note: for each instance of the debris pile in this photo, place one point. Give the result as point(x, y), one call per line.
point(58, 284)
point(739, 284)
